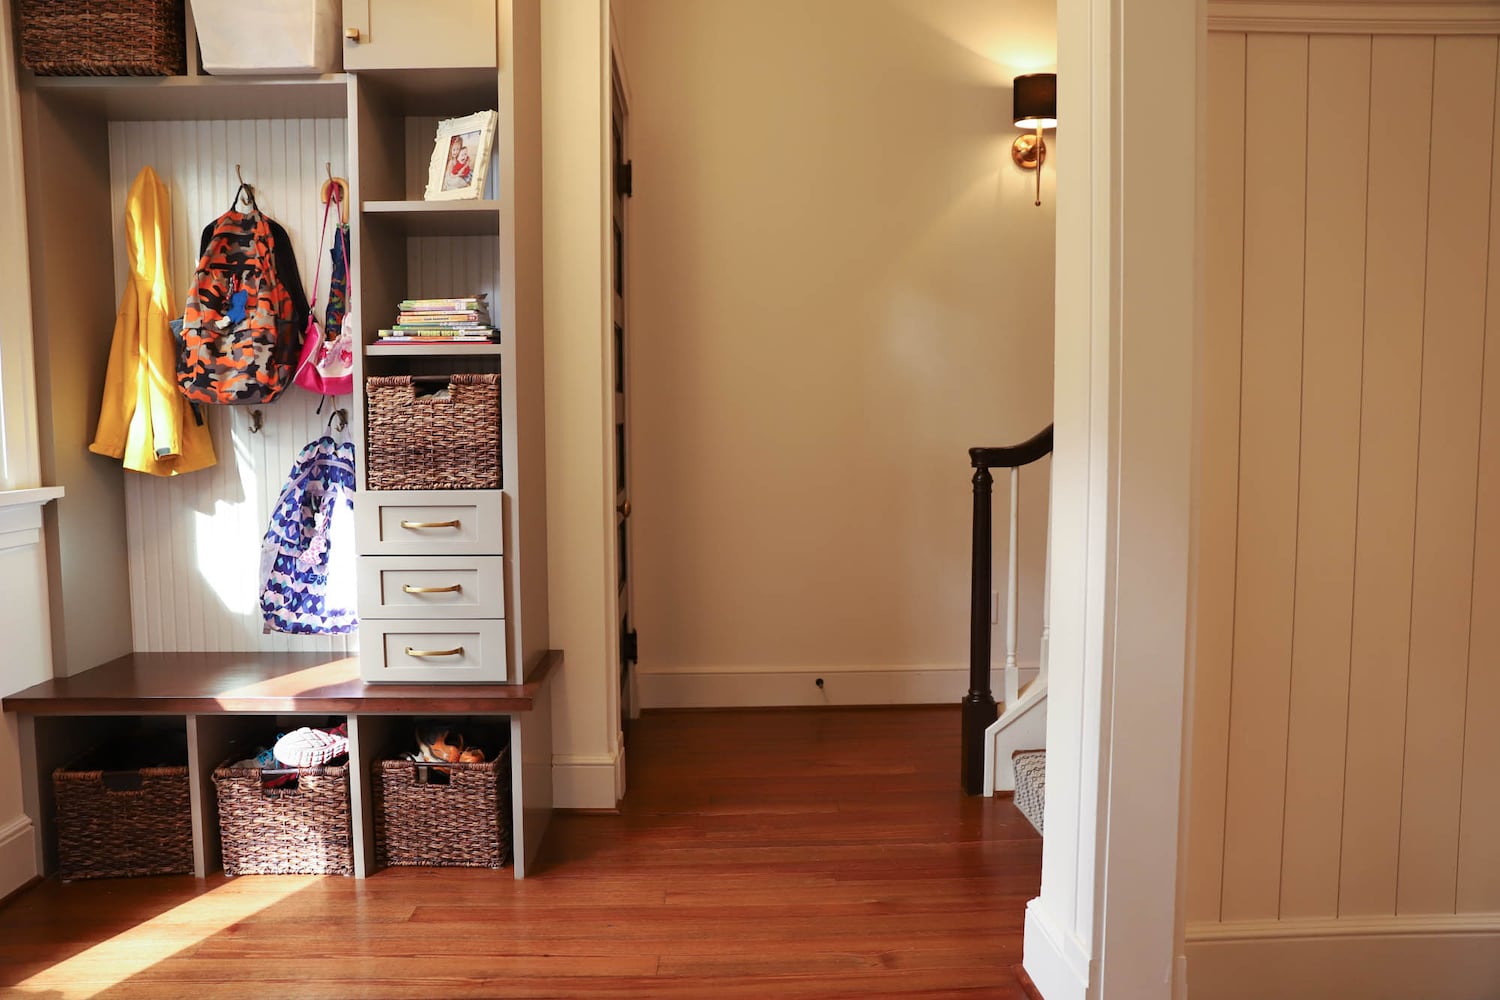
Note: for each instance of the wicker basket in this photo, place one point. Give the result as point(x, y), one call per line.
point(120, 823)
point(302, 830)
point(445, 440)
point(102, 37)
point(462, 824)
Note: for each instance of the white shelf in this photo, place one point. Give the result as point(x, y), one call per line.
point(437, 218)
point(378, 350)
point(191, 98)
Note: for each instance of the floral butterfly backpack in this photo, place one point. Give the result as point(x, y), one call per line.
point(327, 362)
point(307, 557)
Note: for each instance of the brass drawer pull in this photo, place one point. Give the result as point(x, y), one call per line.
point(452, 588)
point(431, 524)
point(455, 651)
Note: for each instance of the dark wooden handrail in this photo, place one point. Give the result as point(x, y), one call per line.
point(1013, 456)
point(979, 709)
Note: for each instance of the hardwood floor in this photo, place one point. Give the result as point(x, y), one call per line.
point(758, 854)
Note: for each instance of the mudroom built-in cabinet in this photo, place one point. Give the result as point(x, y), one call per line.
point(155, 582)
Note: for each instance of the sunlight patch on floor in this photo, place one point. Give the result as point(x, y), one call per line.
point(132, 952)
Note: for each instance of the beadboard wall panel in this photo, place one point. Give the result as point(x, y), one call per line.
point(1463, 109)
point(1270, 390)
point(1395, 266)
point(1343, 766)
point(194, 540)
point(1333, 326)
point(1220, 461)
point(1478, 845)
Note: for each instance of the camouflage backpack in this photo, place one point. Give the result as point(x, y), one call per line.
point(239, 318)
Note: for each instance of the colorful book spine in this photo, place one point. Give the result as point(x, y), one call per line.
point(469, 303)
point(434, 319)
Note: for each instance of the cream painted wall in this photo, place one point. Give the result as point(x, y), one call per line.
point(839, 284)
point(1344, 761)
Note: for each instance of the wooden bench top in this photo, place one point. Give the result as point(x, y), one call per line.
point(282, 683)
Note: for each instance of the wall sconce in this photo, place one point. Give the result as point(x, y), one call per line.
point(1035, 106)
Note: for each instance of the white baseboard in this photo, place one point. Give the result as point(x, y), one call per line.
point(765, 686)
point(585, 781)
point(17, 854)
point(1453, 956)
point(1058, 971)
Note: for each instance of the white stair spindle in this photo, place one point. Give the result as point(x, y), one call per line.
point(1012, 672)
point(1046, 643)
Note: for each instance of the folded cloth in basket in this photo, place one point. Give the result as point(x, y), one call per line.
point(308, 747)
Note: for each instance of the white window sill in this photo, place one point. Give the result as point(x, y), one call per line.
point(38, 496)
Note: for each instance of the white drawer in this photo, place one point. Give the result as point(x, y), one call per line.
point(431, 587)
point(432, 651)
point(429, 522)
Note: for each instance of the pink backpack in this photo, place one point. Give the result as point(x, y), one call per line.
point(327, 362)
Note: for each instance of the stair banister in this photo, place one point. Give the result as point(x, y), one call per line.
point(979, 708)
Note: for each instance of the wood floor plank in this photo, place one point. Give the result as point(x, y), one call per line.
point(758, 854)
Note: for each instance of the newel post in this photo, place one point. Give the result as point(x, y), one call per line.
point(979, 704)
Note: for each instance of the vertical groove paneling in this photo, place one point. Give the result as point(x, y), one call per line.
point(1479, 824)
point(1349, 536)
point(448, 266)
point(1400, 119)
point(1447, 470)
point(1333, 332)
point(1271, 364)
point(194, 540)
point(1214, 633)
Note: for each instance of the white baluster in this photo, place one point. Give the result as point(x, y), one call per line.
point(1046, 588)
point(1012, 672)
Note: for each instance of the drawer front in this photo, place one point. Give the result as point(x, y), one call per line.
point(431, 587)
point(432, 651)
point(436, 523)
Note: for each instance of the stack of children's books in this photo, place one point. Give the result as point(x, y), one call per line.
point(463, 320)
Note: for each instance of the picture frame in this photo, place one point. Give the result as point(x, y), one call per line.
point(461, 157)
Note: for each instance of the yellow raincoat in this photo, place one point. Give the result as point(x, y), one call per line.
point(145, 419)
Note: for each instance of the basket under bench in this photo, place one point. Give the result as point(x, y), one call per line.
point(224, 698)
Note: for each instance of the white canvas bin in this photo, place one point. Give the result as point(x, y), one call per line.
point(240, 37)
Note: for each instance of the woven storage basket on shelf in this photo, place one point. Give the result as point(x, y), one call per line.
point(285, 831)
point(108, 832)
point(102, 37)
point(462, 824)
point(445, 440)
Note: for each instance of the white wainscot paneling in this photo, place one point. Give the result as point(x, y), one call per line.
point(194, 541)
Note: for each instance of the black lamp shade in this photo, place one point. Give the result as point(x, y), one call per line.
point(1036, 100)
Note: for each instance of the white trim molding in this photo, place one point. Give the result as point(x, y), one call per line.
point(1349, 18)
point(1454, 956)
point(1335, 927)
point(17, 854)
point(587, 781)
point(771, 686)
point(1055, 960)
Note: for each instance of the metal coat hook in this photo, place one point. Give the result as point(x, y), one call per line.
point(338, 189)
point(340, 415)
point(257, 421)
point(248, 190)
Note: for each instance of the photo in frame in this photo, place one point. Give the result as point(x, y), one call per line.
point(461, 157)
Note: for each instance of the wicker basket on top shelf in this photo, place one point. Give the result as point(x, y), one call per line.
point(102, 37)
